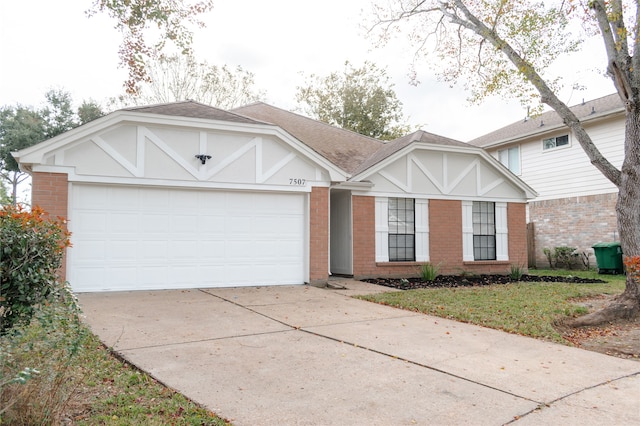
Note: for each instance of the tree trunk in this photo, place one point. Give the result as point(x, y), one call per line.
point(627, 304)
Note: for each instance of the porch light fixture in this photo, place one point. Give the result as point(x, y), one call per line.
point(203, 157)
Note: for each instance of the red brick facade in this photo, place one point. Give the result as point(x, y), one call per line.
point(50, 191)
point(319, 235)
point(576, 222)
point(445, 241)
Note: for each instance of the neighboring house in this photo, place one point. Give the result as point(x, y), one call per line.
point(184, 195)
point(575, 206)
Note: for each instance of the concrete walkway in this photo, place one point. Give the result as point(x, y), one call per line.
point(300, 355)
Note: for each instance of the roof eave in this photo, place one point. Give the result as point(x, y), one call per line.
point(548, 129)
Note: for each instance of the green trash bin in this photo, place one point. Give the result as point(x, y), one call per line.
point(608, 258)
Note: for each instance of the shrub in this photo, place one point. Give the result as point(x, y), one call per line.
point(38, 362)
point(562, 256)
point(632, 265)
point(516, 272)
point(428, 271)
point(31, 251)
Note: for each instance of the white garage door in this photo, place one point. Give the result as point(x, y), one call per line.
point(127, 238)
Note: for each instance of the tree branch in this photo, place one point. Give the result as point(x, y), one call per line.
point(547, 95)
point(617, 58)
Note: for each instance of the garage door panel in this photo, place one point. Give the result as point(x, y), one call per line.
point(90, 221)
point(155, 223)
point(154, 249)
point(153, 238)
point(90, 250)
point(123, 223)
point(122, 250)
point(122, 198)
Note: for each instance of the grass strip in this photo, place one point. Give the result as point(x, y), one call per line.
point(529, 309)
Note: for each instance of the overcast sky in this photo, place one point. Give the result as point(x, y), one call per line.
point(52, 44)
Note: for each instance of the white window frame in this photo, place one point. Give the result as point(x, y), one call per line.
point(502, 231)
point(421, 232)
point(505, 157)
point(555, 145)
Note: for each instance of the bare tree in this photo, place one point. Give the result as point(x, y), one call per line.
point(181, 77)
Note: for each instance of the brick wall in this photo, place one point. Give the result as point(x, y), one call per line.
point(576, 222)
point(50, 191)
point(364, 236)
point(517, 218)
point(445, 235)
point(445, 241)
point(319, 235)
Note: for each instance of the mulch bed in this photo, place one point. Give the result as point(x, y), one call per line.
point(451, 281)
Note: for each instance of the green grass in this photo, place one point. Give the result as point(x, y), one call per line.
point(81, 380)
point(123, 395)
point(528, 309)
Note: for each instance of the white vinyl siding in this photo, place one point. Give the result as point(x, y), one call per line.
point(568, 172)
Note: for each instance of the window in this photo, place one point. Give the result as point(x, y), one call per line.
point(510, 158)
point(555, 142)
point(484, 230)
point(401, 229)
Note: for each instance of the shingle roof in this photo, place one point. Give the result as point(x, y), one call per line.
point(344, 148)
point(550, 120)
point(396, 145)
point(193, 109)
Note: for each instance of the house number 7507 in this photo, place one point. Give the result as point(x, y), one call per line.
point(296, 181)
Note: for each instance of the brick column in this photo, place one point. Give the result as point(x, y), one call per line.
point(516, 218)
point(319, 236)
point(364, 236)
point(50, 192)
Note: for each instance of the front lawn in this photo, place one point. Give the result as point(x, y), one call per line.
point(528, 309)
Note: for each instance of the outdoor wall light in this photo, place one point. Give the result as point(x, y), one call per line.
point(203, 157)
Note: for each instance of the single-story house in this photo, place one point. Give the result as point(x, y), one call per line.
point(184, 195)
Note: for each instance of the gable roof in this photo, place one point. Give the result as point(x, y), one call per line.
point(193, 109)
point(344, 148)
point(396, 145)
point(550, 120)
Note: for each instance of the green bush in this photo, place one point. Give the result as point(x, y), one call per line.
point(516, 272)
point(561, 257)
point(31, 251)
point(429, 271)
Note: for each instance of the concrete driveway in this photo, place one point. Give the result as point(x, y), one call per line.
point(300, 355)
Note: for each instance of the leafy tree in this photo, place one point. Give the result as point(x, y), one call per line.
point(169, 18)
point(181, 77)
point(22, 127)
point(357, 99)
point(506, 47)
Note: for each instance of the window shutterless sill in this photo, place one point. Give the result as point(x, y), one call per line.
point(486, 262)
point(401, 263)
